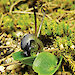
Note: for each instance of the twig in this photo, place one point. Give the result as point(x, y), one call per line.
point(11, 8)
point(63, 68)
point(24, 12)
point(2, 36)
point(57, 21)
point(61, 17)
point(73, 12)
point(6, 57)
point(30, 9)
point(48, 17)
point(5, 47)
point(51, 50)
point(16, 62)
point(1, 19)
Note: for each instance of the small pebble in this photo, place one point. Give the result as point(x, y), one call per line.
point(52, 48)
point(5, 51)
point(2, 53)
point(19, 33)
point(48, 48)
point(9, 60)
point(8, 43)
point(2, 68)
point(72, 47)
point(43, 48)
point(61, 46)
point(12, 67)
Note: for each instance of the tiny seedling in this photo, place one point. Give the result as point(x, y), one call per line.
point(44, 63)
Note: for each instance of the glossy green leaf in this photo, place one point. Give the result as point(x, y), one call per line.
point(25, 60)
point(45, 64)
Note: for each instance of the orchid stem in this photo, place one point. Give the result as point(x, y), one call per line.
point(35, 21)
point(41, 25)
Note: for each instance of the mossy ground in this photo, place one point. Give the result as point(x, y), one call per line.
point(57, 32)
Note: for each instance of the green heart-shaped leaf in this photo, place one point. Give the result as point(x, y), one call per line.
point(45, 64)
